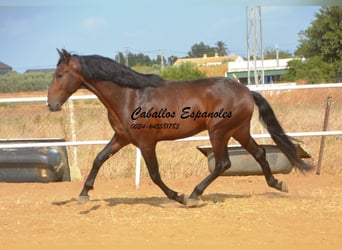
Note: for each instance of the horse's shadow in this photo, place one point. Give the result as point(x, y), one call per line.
point(158, 201)
point(221, 198)
point(155, 201)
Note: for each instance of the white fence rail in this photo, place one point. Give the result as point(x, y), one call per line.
point(271, 87)
point(194, 138)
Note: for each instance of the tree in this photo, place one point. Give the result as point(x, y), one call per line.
point(199, 49)
point(324, 38)
point(222, 49)
point(135, 59)
point(171, 59)
point(314, 70)
point(138, 59)
point(120, 58)
point(271, 53)
point(158, 60)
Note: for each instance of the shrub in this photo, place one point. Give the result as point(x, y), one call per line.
point(12, 82)
point(186, 71)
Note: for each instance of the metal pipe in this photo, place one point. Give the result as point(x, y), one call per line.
point(325, 127)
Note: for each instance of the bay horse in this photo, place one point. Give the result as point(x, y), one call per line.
point(144, 109)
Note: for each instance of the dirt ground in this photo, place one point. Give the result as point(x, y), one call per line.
point(235, 213)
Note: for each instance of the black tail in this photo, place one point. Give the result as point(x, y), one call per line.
point(284, 143)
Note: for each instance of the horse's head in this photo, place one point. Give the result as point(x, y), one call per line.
point(66, 80)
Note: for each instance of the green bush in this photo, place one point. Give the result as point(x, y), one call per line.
point(313, 70)
point(186, 71)
point(12, 82)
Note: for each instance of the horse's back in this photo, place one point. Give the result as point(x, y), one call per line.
point(215, 84)
point(202, 94)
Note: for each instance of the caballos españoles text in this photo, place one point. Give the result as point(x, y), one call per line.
point(186, 113)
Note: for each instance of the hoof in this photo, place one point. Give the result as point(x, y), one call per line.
point(192, 202)
point(182, 199)
point(83, 199)
point(283, 187)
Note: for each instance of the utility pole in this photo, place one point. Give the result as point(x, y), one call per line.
point(277, 54)
point(126, 57)
point(254, 45)
point(117, 57)
point(161, 59)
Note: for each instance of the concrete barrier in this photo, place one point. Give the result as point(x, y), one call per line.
point(244, 164)
point(33, 164)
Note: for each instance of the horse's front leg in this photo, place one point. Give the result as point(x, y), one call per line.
point(110, 149)
point(151, 161)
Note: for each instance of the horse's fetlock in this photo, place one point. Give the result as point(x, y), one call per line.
point(272, 182)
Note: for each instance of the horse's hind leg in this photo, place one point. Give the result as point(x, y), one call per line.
point(222, 162)
point(259, 155)
point(150, 158)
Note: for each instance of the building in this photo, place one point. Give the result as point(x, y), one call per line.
point(212, 66)
point(273, 69)
point(4, 68)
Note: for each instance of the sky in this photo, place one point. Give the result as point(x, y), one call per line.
point(30, 31)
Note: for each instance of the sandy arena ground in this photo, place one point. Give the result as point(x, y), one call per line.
point(235, 213)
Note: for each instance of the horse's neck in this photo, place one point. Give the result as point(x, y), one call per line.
point(112, 96)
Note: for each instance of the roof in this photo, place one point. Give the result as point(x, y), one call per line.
point(244, 74)
point(273, 64)
point(211, 66)
point(208, 61)
point(4, 68)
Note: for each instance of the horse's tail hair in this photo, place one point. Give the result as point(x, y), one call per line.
point(284, 143)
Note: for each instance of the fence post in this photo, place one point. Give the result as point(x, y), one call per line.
point(325, 127)
point(74, 170)
point(137, 167)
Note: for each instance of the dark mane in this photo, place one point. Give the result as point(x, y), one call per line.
point(102, 68)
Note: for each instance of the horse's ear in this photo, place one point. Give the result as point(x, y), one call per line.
point(65, 55)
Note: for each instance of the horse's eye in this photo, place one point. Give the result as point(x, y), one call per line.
point(59, 75)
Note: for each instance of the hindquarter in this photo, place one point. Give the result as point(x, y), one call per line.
point(238, 100)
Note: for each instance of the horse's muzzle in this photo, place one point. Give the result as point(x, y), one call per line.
point(54, 107)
